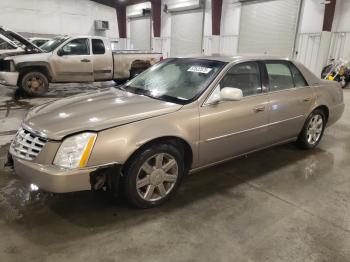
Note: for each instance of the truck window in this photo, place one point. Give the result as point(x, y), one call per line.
point(98, 47)
point(78, 46)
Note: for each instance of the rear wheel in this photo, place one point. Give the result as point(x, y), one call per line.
point(153, 176)
point(34, 83)
point(120, 81)
point(313, 130)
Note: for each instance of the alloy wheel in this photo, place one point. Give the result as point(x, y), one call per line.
point(314, 129)
point(157, 177)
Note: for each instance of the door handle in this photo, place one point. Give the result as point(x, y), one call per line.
point(259, 109)
point(307, 99)
point(85, 60)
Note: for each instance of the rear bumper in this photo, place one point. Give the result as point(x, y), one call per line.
point(9, 78)
point(53, 179)
point(335, 113)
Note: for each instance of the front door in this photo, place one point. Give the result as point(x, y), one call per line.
point(290, 100)
point(231, 128)
point(73, 62)
point(102, 60)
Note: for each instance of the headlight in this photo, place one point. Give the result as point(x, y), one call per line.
point(75, 151)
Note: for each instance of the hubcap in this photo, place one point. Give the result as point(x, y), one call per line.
point(157, 177)
point(35, 84)
point(314, 129)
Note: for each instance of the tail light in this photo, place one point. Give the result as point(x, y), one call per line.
point(161, 58)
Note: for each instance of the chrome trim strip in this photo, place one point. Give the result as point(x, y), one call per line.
point(35, 132)
point(251, 129)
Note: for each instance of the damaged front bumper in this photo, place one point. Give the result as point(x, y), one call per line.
point(9, 78)
point(58, 180)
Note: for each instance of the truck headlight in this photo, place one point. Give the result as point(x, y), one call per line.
point(74, 151)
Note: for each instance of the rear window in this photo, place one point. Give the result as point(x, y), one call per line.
point(98, 47)
point(280, 76)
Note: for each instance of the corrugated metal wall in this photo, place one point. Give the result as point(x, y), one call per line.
point(307, 49)
point(340, 45)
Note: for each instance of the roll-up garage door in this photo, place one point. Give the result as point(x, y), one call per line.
point(140, 33)
point(186, 32)
point(268, 27)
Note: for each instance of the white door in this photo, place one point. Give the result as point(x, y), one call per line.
point(186, 33)
point(268, 27)
point(140, 33)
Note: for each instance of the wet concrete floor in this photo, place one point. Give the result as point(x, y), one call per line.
point(281, 204)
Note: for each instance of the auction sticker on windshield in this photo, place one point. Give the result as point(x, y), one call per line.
point(199, 69)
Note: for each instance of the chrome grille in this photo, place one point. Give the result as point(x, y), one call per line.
point(26, 145)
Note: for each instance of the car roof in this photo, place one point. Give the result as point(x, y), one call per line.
point(236, 58)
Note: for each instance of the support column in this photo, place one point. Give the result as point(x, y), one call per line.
point(156, 19)
point(216, 11)
point(326, 36)
point(121, 18)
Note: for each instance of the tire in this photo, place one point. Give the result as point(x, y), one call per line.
point(344, 83)
point(151, 179)
point(135, 72)
point(312, 132)
point(120, 81)
point(34, 83)
point(325, 71)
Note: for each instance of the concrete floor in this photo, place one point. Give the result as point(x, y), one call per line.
point(281, 204)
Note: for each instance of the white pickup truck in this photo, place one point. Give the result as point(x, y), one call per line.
point(72, 59)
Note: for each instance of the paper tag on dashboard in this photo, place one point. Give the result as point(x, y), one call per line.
point(199, 69)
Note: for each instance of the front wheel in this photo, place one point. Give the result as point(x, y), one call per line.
point(34, 83)
point(153, 176)
point(313, 130)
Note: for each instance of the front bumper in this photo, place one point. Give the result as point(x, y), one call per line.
point(53, 179)
point(9, 78)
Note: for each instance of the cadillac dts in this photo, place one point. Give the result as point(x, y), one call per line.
point(179, 116)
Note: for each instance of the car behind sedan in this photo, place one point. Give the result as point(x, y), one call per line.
point(179, 116)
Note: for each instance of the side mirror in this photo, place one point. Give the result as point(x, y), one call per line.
point(231, 94)
point(60, 52)
point(225, 94)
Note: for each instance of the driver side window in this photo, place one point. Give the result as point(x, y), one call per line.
point(245, 76)
point(78, 46)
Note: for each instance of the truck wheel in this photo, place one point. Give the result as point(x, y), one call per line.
point(120, 81)
point(153, 175)
point(34, 83)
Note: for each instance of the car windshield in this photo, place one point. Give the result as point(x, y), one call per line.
point(178, 80)
point(51, 45)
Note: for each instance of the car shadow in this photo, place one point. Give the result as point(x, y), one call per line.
point(75, 215)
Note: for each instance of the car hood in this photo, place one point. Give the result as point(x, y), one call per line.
point(22, 42)
point(30, 57)
point(94, 111)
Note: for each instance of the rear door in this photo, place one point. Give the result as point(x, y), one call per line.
point(73, 61)
point(102, 59)
point(231, 128)
point(290, 100)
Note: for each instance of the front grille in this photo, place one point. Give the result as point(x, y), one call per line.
point(26, 145)
point(5, 65)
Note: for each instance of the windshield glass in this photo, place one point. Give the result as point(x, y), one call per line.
point(51, 45)
point(5, 45)
point(178, 80)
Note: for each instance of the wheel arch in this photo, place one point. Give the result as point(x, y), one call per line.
point(325, 109)
point(42, 67)
point(178, 142)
